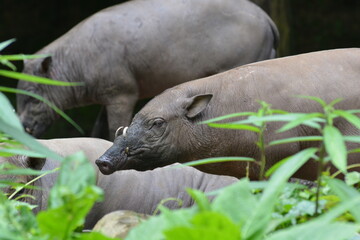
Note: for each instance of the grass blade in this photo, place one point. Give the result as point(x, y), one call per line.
point(296, 139)
point(227, 117)
point(234, 126)
point(41, 80)
point(56, 109)
point(217, 160)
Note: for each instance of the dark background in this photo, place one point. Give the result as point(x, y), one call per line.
point(304, 25)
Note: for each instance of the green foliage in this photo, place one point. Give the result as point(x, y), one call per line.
point(71, 197)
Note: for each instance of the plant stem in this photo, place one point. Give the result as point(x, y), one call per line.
point(319, 175)
point(261, 145)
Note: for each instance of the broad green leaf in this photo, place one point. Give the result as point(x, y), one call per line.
point(236, 201)
point(318, 231)
point(216, 160)
point(200, 198)
point(316, 99)
point(234, 126)
point(6, 43)
point(37, 79)
point(352, 178)
point(71, 198)
point(335, 147)
point(257, 223)
point(56, 109)
point(227, 117)
point(346, 193)
point(206, 225)
point(351, 118)
point(7, 113)
point(296, 139)
point(27, 140)
point(301, 120)
point(153, 228)
point(75, 176)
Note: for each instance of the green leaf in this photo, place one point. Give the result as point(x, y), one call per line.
point(296, 139)
point(206, 225)
point(236, 201)
point(318, 231)
point(7, 63)
point(355, 139)
point(19, 57)
point(14, 151)
point(27, 140)
point(316, 99)
point(257, 223)
point(227, 117)
point(216, 160)
point(3, 45)
point(7, 113)
point(153, 228)
point(335, 147)
point(92, 236)
point(56, 109)
point(352, 178)
point(71, 198)
point(234, 126)
point(351, 118)
point(41, 80)
point(301, 120)
point(200, 198)
point(346, 193)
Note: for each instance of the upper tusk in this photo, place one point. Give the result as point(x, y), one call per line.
point(124, 132)
point(118, 130)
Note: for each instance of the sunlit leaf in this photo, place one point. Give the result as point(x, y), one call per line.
point(19, 57)
point(296, 139)
point(335, 147)
point(6, 43)
point(353, 119)
point(216, 160)
point(316, 99)
point(227, 117)
point(37, 79)
point(234, 126)
point(301, 120)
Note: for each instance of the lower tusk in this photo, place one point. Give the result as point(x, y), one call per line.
point(127, 150)
point(118, 130)
point(28, 130)
point(124, 132)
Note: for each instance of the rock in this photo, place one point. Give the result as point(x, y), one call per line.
point(118, 224)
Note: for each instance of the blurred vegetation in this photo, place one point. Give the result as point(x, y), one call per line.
point(304, 26)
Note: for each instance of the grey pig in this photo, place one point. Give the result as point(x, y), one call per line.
point(166, 130)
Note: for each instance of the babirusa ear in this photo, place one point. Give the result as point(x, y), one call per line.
point(36, 163)
point(45, 64)
point(197, 104)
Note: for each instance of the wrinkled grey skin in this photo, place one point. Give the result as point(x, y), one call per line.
point(137, 49)
point(166, 130)
point(126, 190)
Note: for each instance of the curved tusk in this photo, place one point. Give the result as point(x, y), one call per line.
point(127, 150)
point(117, 131)
point(124, 132)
